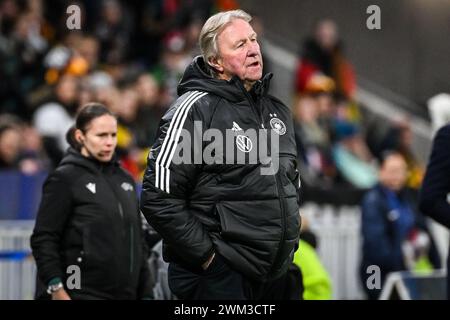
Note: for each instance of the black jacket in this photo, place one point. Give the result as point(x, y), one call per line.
point(436, 184)
point(89, 217)
point(250, 219)
point(434, 199)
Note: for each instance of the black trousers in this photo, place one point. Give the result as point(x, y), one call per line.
point(220, 282)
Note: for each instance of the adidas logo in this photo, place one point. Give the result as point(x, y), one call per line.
point(236, 127)
point(91, 187)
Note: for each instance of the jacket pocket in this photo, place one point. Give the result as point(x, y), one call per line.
point(251, 232)
point(248, 222)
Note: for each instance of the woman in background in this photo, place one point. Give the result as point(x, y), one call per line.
point(88, 221)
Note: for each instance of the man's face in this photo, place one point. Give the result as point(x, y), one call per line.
point(239, 53)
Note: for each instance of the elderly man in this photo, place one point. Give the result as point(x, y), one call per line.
point(229, 227)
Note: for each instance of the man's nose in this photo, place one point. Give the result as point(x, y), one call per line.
point(253, 49)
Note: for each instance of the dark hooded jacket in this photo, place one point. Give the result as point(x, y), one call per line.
point(89, 217)
point(225, 206)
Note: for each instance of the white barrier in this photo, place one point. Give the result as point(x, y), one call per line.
point(17, 274)
point(339, 245)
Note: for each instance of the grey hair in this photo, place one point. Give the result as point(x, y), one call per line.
point(213, 27)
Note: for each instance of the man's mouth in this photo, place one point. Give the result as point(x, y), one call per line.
point(254, 64)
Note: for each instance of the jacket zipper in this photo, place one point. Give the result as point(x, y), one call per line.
point(252, 103)
point(122, 217)
point(279, 186)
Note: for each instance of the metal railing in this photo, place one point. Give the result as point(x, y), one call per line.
point(17, 267)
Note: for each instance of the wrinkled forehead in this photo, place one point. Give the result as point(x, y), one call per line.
point(234, 31)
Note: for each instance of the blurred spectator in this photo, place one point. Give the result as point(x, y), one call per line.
point(399, 138)
point(191, 35)
point(352, 156)
point(76, 56)
point(323, 62)
point(22, 46)
point(158, 18)
point(150, 110)
point(348, 110)
point(9, 12)
point(439, 110)
point(111, 97)
point(113, 29)
point(185, 12)
point(89, 49)
point(33, 158)
point(152, 24)
point(316, 280)
point(53, 119)
point(174, 60)
point(395, 234)
point(20, 147)
point(313, 142)
point(85, 95)
point(326, 128)
point(10, 144)
point(127, 111)
point(396, 135)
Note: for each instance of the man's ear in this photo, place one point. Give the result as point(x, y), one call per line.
point(216, 64)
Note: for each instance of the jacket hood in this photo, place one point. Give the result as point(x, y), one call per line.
point(75, 157)
point(198, 76)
